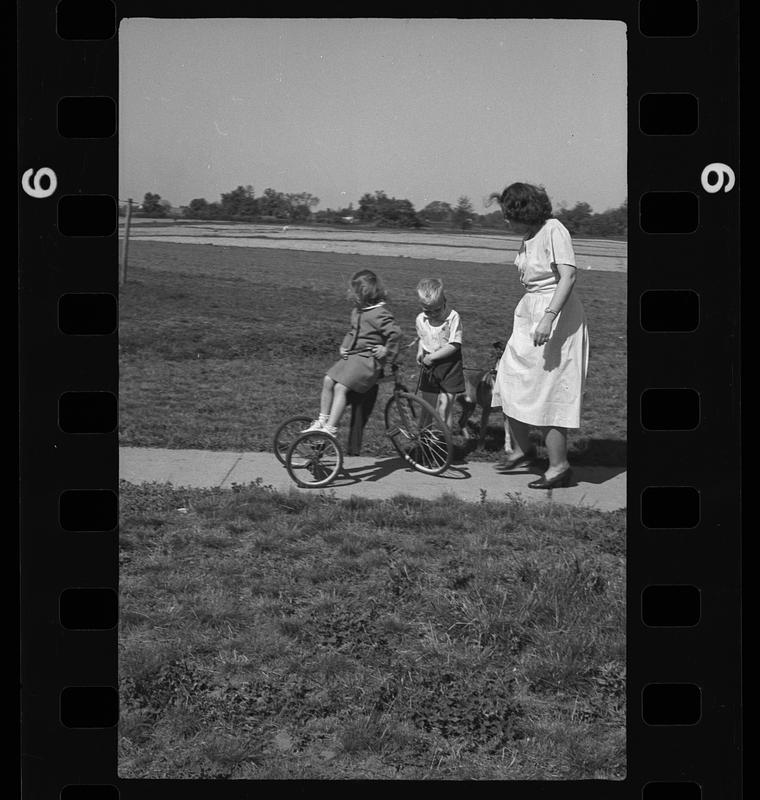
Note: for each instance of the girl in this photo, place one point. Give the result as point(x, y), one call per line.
point(439, 350)
point(541, 375)
point(374, 331)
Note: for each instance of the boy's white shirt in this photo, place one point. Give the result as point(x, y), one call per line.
point(434, 337)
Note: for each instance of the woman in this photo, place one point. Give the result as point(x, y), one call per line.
point(541, 375)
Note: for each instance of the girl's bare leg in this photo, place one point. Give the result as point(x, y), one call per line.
point(556, 448)
point(519, 436)
point(325, 403)
point(339, 394)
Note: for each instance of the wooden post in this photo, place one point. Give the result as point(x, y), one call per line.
point(125, 245)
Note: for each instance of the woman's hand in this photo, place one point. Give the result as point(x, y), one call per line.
point(379, 351)
point(427, 360)
point(543, 331)
point(343, 350)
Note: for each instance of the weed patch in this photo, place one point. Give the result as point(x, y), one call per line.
point(294, 636)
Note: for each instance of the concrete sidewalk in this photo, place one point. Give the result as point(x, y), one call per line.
point(602, 488)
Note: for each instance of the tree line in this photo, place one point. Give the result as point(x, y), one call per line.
point(374, 209)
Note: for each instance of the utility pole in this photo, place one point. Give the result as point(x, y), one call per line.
point(125, 246)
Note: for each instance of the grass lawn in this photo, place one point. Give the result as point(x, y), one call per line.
point(218, 344)
point(283, 635)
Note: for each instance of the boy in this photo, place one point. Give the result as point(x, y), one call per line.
point(439, 350)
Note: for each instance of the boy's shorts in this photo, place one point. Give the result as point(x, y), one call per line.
point(443, 376)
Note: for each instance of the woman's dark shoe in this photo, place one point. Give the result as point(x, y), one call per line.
point(561, 480)
point(525, 460)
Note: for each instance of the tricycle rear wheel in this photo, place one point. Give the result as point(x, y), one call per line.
point(287, 432)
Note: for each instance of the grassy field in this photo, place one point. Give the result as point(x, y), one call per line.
point(218, 344)
point(271, 635)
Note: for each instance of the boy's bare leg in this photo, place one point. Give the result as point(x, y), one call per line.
point(432, 399)
point(446, 408)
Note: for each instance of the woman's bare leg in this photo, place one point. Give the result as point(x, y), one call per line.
point(556, 448)
point(508, 445)
point(520, 437)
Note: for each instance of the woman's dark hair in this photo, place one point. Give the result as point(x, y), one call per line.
point(524, 202)
point(366, 288)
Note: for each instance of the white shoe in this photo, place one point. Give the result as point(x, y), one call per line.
point(315, 426)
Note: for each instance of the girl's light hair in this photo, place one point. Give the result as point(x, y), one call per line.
point(430, 291)
point(365, 288)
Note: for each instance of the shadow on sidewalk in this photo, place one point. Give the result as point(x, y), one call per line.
point(581, 474)
point(595, 475)
point(383, 468)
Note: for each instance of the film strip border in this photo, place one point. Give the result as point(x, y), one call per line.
point(684, 640)
point(684, 525)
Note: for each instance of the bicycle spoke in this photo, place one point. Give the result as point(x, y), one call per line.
point(434, 449)
point(313, 454)
point(318, 470)
point(418, 434)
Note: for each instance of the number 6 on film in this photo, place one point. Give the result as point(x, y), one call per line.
point(37, 189)
point(722, 171)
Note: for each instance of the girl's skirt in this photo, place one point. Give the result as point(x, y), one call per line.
point(543, 386)
point(358, 372)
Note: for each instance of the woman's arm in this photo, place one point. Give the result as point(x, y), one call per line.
point(561, 293)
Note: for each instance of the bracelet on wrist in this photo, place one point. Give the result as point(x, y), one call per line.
point(551, 311)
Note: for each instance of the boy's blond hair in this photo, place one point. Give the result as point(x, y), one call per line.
point(430, 291)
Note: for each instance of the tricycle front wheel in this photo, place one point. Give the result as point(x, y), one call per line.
point(314, 459)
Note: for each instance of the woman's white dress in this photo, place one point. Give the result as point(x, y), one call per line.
point(543, 385)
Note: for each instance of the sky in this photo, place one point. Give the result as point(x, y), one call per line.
point(422, 109)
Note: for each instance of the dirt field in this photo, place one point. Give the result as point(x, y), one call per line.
point(483, 248)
